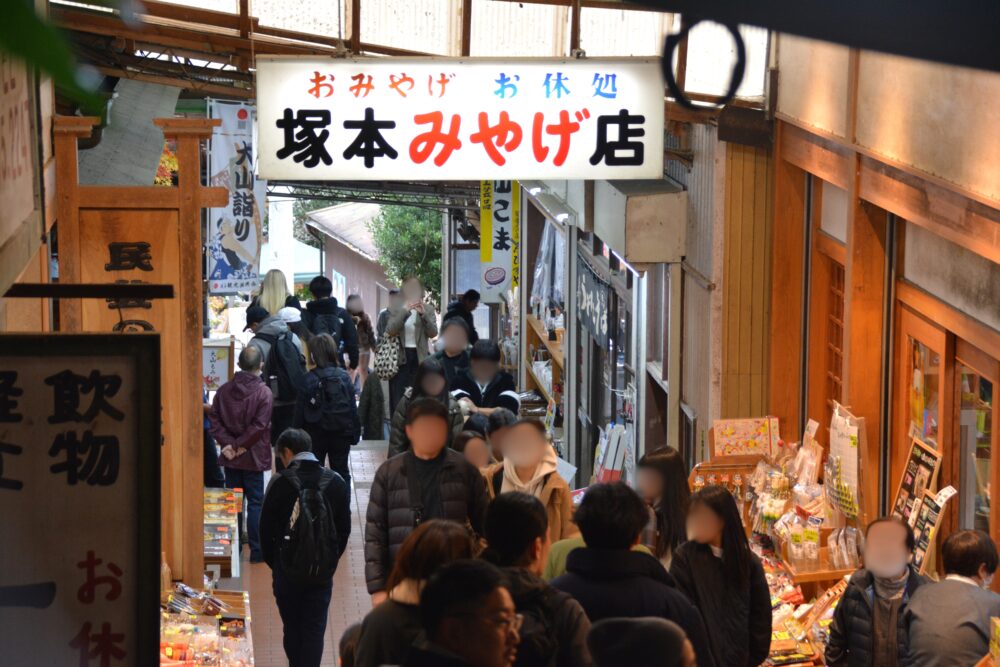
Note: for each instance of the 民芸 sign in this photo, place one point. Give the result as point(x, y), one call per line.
point(499, 238)
point(80, 493)
point(459, 119)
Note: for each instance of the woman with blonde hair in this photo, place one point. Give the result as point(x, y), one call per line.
point(274, 294)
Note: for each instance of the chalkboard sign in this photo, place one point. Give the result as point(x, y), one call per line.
point(79, 499)
point(592, 302)
point(919, 475)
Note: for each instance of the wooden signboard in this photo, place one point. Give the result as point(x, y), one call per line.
point(919, 475)
point(79, 492)
point(217, 362)
point(755, 437)
point(148, 234)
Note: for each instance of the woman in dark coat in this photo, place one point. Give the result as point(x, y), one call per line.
point(724, 580)
point(430, 382)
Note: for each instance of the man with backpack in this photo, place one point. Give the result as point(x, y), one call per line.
point(304, 527)
point(240, 421)
point(326, 409)
point(325, 316)
point(284, 365)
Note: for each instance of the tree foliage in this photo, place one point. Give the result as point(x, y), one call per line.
point(408, 240)
point(300, 211)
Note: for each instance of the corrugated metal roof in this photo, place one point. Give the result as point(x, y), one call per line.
point(348, 223)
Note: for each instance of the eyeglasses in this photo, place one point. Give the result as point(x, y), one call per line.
point(510, 623)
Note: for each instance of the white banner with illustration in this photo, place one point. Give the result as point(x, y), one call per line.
point(499, 238)
point(235, 232)
point(459, 119)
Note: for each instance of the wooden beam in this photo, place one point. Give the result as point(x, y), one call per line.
point(864, 329)
point(830, 246)
point(466, 28)
point(682, 60)
point(592, 4)
point(787, 285)
point(89, 291)
point(109, 196)
point(356, 26)
point(816, 155)
point(961, 324)
point(392, 51)
point(187, 84)
point(188, 14)
point(675, 112)
point(574, 27)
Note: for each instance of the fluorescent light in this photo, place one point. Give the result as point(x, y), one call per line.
point(534, 191)
point(562, 217)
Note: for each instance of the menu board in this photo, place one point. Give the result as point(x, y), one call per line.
point(746, 437)
point(919, 475)
point(79, 492)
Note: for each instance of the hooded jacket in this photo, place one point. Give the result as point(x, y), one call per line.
point(536, 600)
point(272, 326)
point(389, 630)
point(457, 309)
point(554, 494)
point(738, 620)
point(501, 392)
point(330, 311)
point(852, 636)
point(390, 517)
point(399, 443)
point(614, 583)
point(241, 417)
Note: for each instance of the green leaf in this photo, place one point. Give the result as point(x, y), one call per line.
point(25, 35)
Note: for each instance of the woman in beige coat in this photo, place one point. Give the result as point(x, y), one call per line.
point(529, 466)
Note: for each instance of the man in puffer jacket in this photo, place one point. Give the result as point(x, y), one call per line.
point(869, 628)
point(429, 481)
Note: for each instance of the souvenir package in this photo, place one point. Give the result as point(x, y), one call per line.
point(191, 641)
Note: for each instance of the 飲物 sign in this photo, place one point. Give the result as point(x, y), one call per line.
point(459, 119)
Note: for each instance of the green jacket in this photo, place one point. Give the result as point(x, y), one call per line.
point(399, 443)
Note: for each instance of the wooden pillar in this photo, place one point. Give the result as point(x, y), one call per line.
point(864, 329)
point(787, 267)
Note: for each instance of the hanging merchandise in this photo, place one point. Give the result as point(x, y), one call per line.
point(235, 232)
point(592, 301)
point(847, 437)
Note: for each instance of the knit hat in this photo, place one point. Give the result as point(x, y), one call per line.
point(637, 642)
point(290, 315)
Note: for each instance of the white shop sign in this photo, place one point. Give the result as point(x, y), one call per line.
point(459, 119)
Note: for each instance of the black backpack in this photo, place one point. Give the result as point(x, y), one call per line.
point(284, 363)
point(331, 406)
point(539, 645)
point(330, 323)
point(310, 548)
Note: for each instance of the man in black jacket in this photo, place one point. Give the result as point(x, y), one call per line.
point(428, 481)
point(610, 581)
point(484, 387)
point(869, 627)
point(324, 315)
point(455, 355)
point(303, 609)
point(463, 309)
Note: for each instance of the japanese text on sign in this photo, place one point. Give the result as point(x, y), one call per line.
point(499, 238)
point(325, 119)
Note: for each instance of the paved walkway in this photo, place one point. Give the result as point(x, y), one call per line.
point(350, 600)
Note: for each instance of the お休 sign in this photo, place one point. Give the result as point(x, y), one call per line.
point(459, 119)
point(80, 492)
point(499, 238)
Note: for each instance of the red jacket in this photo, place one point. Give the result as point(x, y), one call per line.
point(241, 417)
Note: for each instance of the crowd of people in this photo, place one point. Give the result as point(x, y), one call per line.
point(475, 554)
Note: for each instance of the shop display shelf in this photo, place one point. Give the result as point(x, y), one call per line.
point(554, 347)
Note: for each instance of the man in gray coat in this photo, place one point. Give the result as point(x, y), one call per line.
point(949, 621)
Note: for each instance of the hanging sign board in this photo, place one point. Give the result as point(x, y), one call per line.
point(499, 238)
point(919, 475)
point(459, 119)
point(592, 302)
point(80, 492)
point(235, 232)
point(217, 361)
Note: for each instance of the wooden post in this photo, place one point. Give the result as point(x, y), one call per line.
point(864, 328)
point(466, 27)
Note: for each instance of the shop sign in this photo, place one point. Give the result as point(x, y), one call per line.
point(459, 119)
point(919, 475)
point(80, 492)
point(17, 147)
point(235, 231)
point(592, 302)
point(499, 238)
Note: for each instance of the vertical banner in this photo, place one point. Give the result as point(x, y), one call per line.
point(592, 301)
point(499, 238)
point(80, 499)
point(235, 232)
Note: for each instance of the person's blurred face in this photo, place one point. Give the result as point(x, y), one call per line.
point(428, 435)
point(649, 484)
point(470, 304)
point(484, 370)
point(524, 445)
point(688, 656)
point(397, 300)
point(487, 637)
point(433, 384)
point(477, 452)
point(496, 439)
point(886, 554)
point(455, 340)
point(413, 291)
point(703, 525)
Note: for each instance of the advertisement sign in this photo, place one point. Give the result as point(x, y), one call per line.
point(592, 301)
point(235, 232)
point(919, 475)
point(459, 119)
point(80, 492)
point(499, 238)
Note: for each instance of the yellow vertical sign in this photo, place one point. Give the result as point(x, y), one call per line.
point(485, 221)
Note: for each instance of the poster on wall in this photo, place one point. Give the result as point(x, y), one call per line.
point(459, 119)
point(919, 475)
point(217, 360)
point(756, 436)
point(592, 301)
point(499, 238)
point(80, 492)
point(235, 232)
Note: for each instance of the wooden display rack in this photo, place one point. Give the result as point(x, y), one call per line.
point(538, 338)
